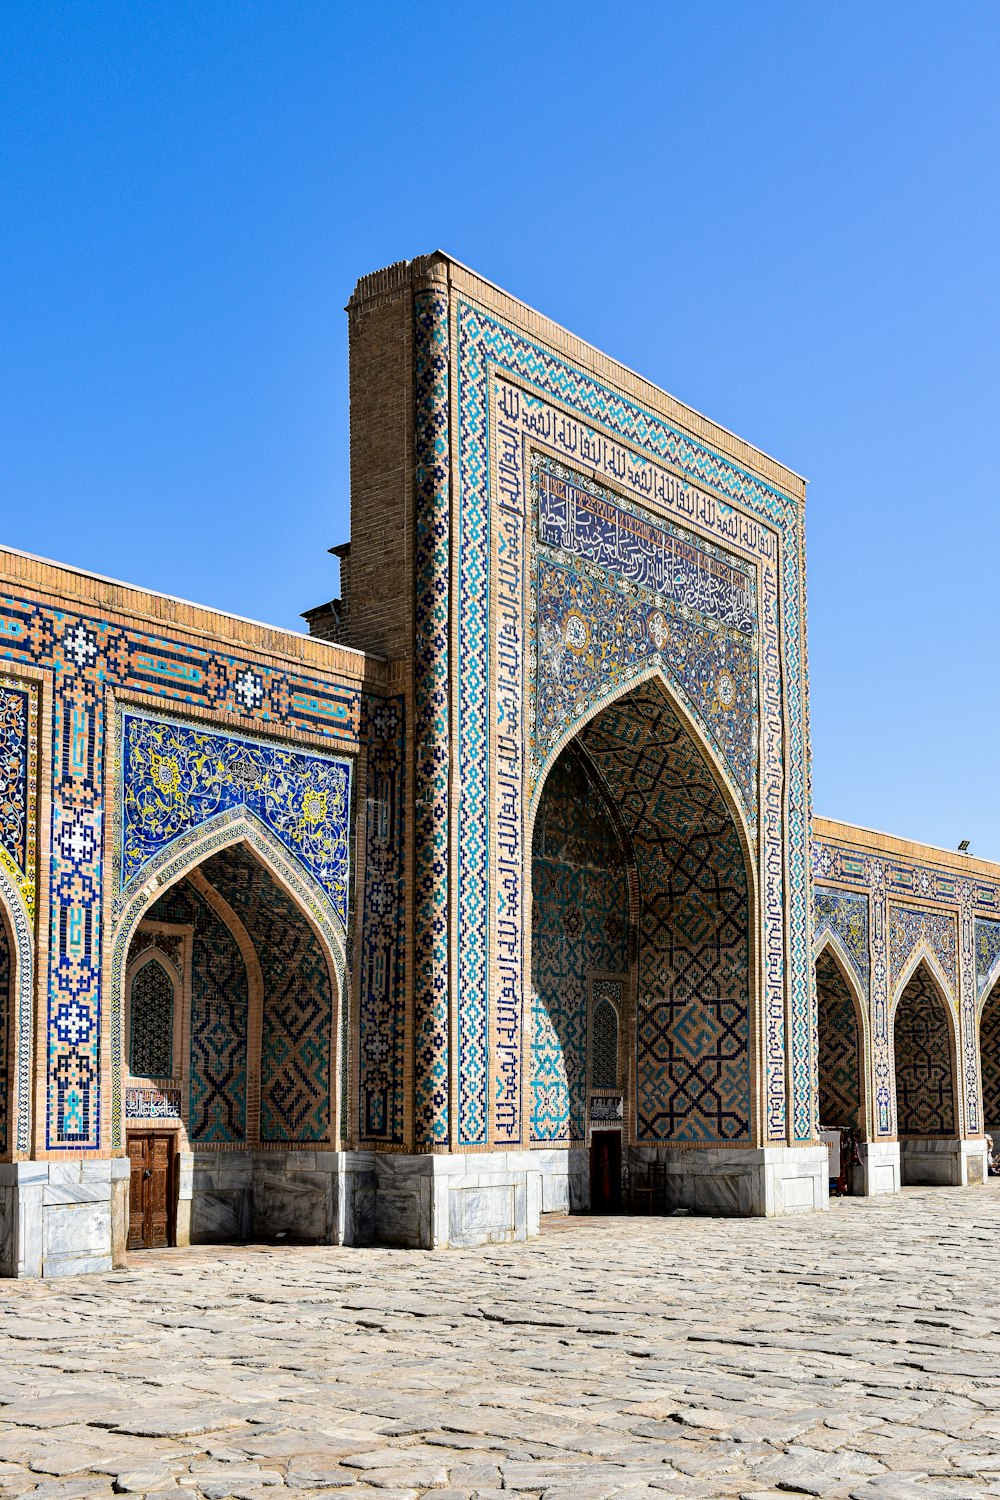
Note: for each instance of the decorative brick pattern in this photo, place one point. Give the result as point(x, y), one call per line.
point(382, 1019)
point(432, 726)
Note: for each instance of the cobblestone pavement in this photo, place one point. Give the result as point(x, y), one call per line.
point(848, 1354)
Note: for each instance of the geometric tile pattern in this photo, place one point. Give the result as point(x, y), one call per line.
point(580, 922)
point(987, 955)
point(512, 394)
point(432, 564)
point(16, 776)
point(604, 1046)
point(219, 1005)
point(616, 593)
point(85, 655)
point(839, 1048)
point(176, 776)
point(925, 1088)
point(382, 982)
point(910, 926)
point(845, 914)
point(989, 1049)
point(963, 933)
point(297, 1034)
point(151, 1023)
point(693, 1024)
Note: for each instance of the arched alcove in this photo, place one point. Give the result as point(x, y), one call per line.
point(640, 864)
point(924, 1051)
point(840, 1062)
point(254, 1043)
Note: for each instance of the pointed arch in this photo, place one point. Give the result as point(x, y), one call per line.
point(923, 960)
point(17, 1063)
point(988, 1049)
point(181, 859)
point(923, 954)
point(690, 721)
point(829, 943)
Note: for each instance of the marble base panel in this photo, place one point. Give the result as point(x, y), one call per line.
point(62, 1218)
point(305, 1197)
point(878, 1171)
point(943, 1162)
point(431, 1202)
point(765, 1181)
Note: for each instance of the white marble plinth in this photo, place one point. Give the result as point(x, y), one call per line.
point(944, 1161)
point(879, 1169)
point(59, 1218)
point(477, 1198)
point(767, 1181)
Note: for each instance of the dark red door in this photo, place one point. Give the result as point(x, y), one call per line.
point(606, 1172)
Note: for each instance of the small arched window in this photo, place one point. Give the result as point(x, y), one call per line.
point(604, 1046)
point(151, 1023)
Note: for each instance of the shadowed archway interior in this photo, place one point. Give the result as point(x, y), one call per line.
point(689, 957)
point(296, 1006)
point(989, 1057)
point(840, 1101)
point(925, 1073)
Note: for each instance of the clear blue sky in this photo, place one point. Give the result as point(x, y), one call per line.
point(786, 214)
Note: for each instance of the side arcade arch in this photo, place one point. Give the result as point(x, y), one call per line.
point(263, 1055)
point(926, 1047)
point(988, 1021)
point(843, 1041)
point(16, 988)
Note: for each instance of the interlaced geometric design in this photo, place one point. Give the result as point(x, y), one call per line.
point(604, 1047)
point(839, 1048)
point(925, 1087)
point(693, 1063)
point(987, 941)
point(579, 923)
point(297, 1026)
point(151, 1023)
point(219, 1000)
point(989, 1052)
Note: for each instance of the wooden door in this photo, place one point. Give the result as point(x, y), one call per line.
point(606, 1172)
point(151, 1190)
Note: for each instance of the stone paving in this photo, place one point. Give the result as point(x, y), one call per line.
point(847, 1354)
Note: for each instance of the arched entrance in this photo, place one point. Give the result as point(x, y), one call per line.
point(926, 1093)
point(989, 1061)
point(640, 891)
point(230, 1057)
point(840, 1064)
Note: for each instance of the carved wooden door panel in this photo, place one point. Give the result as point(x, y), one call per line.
point(151, 1190)
point(138, 1150)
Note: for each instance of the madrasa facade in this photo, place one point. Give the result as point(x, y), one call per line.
point(497, 893)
